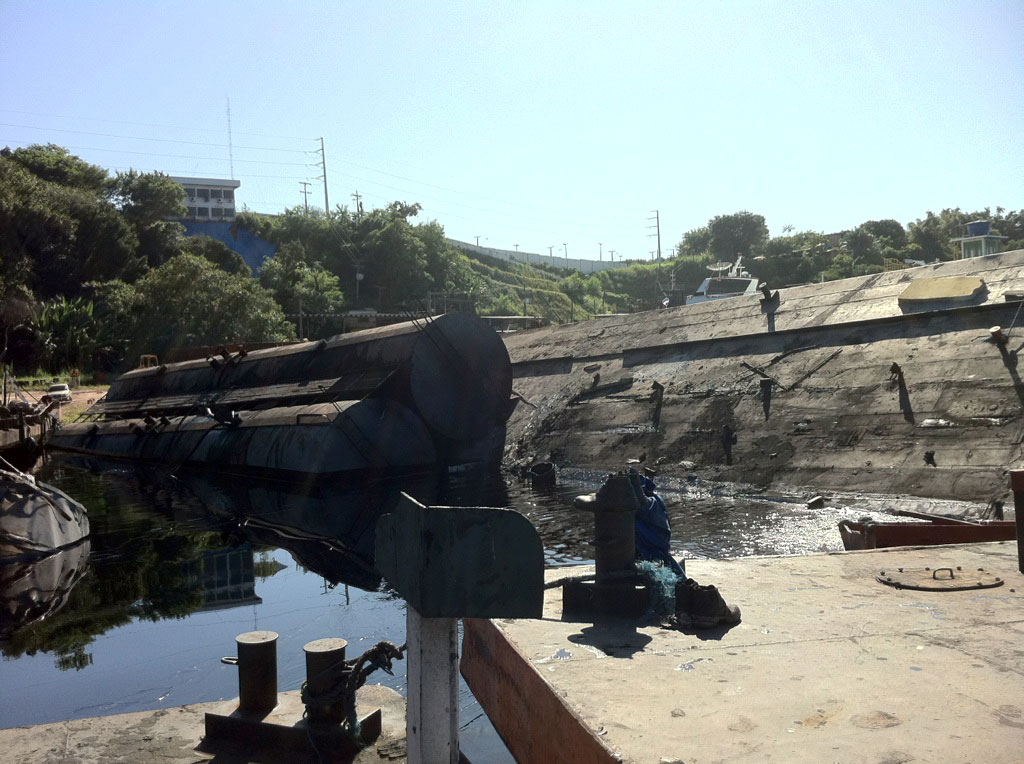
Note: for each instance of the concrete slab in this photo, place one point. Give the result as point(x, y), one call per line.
point(952, 288)
point(174, 736)
point(827, 665)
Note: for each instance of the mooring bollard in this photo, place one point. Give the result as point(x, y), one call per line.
point(324, 667)
point(1017, 484)
point(614, 527)
point(257, 671)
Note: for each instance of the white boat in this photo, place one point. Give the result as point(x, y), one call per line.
point(36, 519)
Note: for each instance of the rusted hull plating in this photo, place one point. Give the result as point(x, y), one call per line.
point(432, 393)
point(324, 440)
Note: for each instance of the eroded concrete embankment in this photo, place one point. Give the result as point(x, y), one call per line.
point(662, 386)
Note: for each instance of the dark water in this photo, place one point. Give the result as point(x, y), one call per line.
point(178, 566)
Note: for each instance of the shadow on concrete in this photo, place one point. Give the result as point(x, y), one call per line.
point(618, 639)
point(905, 407)
point(1010, 362)
point(766, 396)
point(706, 635)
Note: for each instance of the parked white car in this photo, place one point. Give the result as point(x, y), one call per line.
point(58, 393)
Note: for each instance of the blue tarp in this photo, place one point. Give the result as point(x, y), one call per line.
point(251, 247)
point(652, 529)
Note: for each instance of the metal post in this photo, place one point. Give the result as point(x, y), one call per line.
point(257, 670)
point(615, 530)
point(324, 664)
point(1017, 484)
point(432, 716)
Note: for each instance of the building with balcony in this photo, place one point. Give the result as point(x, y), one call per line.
point(209, 198)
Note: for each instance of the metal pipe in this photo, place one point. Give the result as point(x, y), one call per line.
point(257, 671)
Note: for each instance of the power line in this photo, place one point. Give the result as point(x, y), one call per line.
point(587, 223)
point(176, 156)
point(150, 124)
point(155, 140)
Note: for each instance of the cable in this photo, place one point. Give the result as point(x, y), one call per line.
point(160, 140)
point(150, 124)
point(177, 156)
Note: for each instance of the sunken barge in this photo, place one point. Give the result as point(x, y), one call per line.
point(420, 396)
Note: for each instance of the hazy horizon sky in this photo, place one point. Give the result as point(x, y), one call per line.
point(538, 123)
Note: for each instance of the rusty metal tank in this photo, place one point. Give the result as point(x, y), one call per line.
point(323, 440)
point(453, 371)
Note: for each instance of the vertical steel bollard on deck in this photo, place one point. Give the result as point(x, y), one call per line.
point(324, 666)
point(257, 671)
point(1017, 484)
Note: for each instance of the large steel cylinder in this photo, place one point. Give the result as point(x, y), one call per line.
point(453, 370)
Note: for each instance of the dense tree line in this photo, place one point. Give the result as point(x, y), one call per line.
point(800, 257)
point(93, 272)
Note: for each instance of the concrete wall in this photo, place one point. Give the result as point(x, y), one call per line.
point(251, 247)
point(582, 265)
point(832, 418)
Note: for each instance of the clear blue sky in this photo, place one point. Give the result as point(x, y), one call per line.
point(538, 123)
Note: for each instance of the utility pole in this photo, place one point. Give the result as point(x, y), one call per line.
point(565, 252)
point(477, 237)
point(600, 251)
point(323, 167)
point(358, 198)
point(611, 255)
point(551, 255)
point(305, 194)
point(657, 227)
point(516, 246)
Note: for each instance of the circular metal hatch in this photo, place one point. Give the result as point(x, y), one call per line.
point(941, 579)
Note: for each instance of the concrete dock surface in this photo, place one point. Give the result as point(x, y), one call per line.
point(175, 736)
point(827, 665)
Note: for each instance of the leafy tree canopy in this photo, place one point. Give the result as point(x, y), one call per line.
point(198, 304)
point(58, 165)
point(737, 234)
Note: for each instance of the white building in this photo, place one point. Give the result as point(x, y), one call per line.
point(209, 198)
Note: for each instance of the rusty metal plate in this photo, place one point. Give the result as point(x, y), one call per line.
point(942, 579)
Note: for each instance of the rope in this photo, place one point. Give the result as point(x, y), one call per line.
point(349, 676)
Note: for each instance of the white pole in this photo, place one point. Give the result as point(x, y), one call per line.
point(432, 715)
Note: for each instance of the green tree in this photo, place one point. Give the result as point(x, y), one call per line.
point(888, 233)
point(189, 301)
point(56, 164)
point(696, 242)
point(737, 234)
point(863, 246)
point(298, 284)
point(54, 237)
point(216, 252)
point(65, 333)
point(147, 200)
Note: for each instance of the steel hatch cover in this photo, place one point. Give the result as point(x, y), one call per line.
point(941, 579)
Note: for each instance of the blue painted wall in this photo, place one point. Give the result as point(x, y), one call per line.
point(251, 247)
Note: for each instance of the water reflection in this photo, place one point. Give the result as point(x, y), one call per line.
point(166, 547)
